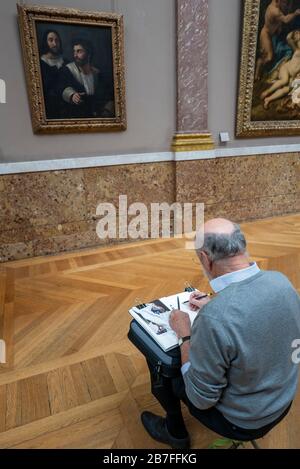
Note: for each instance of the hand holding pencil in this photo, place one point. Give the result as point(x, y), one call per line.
point(198, 299)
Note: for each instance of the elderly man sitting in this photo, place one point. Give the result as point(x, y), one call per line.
point(237, 376)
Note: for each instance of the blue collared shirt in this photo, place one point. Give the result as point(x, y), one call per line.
point(218, 284)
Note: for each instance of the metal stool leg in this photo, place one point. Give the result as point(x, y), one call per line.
point(254, 444)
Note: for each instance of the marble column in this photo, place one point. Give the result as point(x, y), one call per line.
point(192, 74)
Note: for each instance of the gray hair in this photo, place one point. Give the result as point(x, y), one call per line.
point(223, 245)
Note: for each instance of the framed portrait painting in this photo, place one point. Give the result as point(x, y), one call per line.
point(74, 67)
point(269, 88)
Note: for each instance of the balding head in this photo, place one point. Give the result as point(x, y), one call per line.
point(219, 226)
point(222, 239)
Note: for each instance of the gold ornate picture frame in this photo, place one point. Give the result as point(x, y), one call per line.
point(74, 67)
point(269, 86)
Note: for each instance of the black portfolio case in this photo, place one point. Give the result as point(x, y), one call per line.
point(167, 364)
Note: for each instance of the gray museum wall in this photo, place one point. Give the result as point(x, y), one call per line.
point(150, 86)
point(150, 83)
point(225, 25)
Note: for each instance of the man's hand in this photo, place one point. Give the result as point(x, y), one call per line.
point(180, 323)
point(198, 304)
point(76, 98)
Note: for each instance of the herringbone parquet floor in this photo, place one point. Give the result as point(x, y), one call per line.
point(72, 379)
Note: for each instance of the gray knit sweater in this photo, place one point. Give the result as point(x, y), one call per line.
point(241, 353)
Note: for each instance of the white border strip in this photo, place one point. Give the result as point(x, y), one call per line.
point(194, 155)
point(116, 160)
point(250, 151)
point(240, 151)
point(87, 162)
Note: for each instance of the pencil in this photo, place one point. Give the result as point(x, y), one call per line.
point(203, 296)
point(199, 297)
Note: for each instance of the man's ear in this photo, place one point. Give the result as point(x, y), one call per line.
point(205, 260)
point(203, 256)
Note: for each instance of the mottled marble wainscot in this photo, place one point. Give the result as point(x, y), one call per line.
point(55, 211)
point(242, 188)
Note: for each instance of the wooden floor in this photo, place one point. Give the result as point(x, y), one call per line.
point(72, 379)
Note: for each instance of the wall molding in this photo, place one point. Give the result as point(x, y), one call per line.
point(85, 162)
point(117, 160)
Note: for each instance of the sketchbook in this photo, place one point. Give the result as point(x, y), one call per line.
point(154, 318)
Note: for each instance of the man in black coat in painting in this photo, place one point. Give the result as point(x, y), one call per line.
point(82, 87)
point(51, 62)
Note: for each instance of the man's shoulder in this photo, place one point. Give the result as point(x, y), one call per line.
point(268, 279)
point(43, 62)
point(277, 280)
point(70, 65)
point(274, 275)
point(69, 70)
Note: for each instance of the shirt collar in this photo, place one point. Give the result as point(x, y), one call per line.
point(218, 284)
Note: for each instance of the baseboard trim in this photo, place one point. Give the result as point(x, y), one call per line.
point(141, 158)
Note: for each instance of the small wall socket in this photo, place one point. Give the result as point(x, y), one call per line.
point(224, 137)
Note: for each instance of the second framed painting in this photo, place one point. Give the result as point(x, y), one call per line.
point(74, 66)
point(269, 90)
